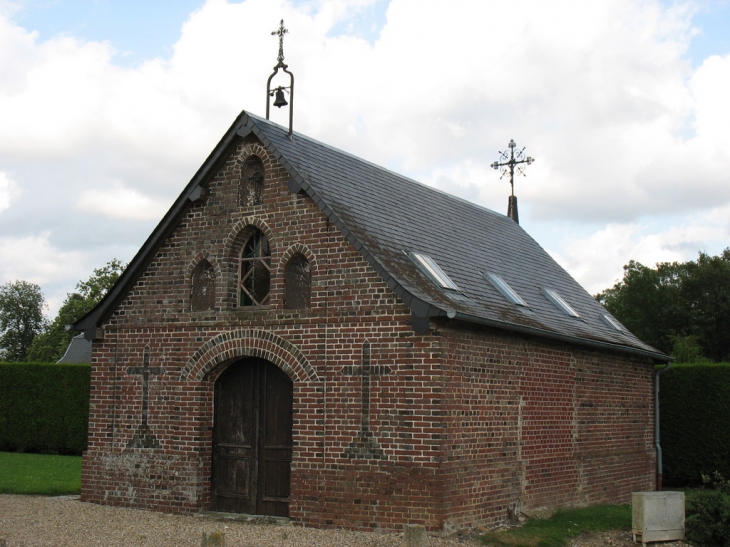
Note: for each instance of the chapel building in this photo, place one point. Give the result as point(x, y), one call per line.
point(307, 334)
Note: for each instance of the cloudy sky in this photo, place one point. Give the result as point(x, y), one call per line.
point(108, 107)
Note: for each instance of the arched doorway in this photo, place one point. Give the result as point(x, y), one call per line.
point(252, 443)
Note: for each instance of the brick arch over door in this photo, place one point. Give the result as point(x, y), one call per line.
point(249, 343)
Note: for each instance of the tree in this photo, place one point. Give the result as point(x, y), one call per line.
point(682, 308)
point(99, 283)
point(51, 345)
point(705, 299)
point(21, 318)
point(640, 302)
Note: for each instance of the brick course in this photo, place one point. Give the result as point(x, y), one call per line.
point(458, 424)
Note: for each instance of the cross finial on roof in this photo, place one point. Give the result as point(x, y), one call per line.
point(281, 32)
point(509, 160)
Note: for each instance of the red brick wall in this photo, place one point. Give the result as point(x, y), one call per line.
point(443, 446)
point(320, 348)
point(535, 425)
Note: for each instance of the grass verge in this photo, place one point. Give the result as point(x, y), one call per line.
point(562, 526)
point(39, 474)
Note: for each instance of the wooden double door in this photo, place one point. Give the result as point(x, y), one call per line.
point(252, 445)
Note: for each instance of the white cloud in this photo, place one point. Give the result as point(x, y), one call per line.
point(50, 100)
point(121, 203)
point(9, 190)
point(597, 260)
point(35, 259)
point(710, 86)
point(623, 130)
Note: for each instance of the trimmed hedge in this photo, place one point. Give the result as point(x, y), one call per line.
point(695, 422)
point(44, 408)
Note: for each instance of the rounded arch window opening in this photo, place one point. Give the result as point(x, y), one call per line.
point(254, 281)
point(297, 283)
point(202, 290)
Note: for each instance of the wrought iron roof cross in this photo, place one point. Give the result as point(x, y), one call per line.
point(279, 91)
point(281, 32)
point(510, 161)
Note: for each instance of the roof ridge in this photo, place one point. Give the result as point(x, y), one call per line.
point(376, 166)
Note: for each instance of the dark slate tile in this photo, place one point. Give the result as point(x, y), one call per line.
point(384, 213)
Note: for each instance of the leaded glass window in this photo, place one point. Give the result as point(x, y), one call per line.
point(255, 271)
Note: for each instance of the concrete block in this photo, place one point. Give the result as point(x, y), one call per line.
point(213, 539)
point(657, 516)
point(415, 536)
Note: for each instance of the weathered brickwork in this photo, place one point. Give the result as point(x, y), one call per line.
point(534, 425)
point(445, 429)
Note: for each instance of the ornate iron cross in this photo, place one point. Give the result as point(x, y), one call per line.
point(510, 161)
point(281, 32)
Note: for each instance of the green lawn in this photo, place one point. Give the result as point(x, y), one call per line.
point(563, 525)
point(39, 474)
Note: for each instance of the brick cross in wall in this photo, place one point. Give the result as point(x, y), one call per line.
point(366, 372)
point(364, 446)
point(144, 438)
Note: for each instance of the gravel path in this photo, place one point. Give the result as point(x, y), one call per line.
point(31, 521)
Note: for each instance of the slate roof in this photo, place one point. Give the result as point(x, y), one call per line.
point(386, 216)
point(78, 351)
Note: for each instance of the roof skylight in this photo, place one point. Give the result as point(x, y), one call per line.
point(434, 271)
point(502, 286)
point(612, 322)
point(556, 299)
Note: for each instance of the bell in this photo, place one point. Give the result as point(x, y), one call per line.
point(280, 100)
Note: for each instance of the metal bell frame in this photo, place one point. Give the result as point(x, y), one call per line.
point(280, 90)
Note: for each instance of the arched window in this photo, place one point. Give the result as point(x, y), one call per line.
point(254, 278)
point(202, 292)
point(297, 283)
point(250, 189)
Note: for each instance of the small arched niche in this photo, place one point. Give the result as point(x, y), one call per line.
point(251, 186)
point(202, 291)
point(297, 283)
